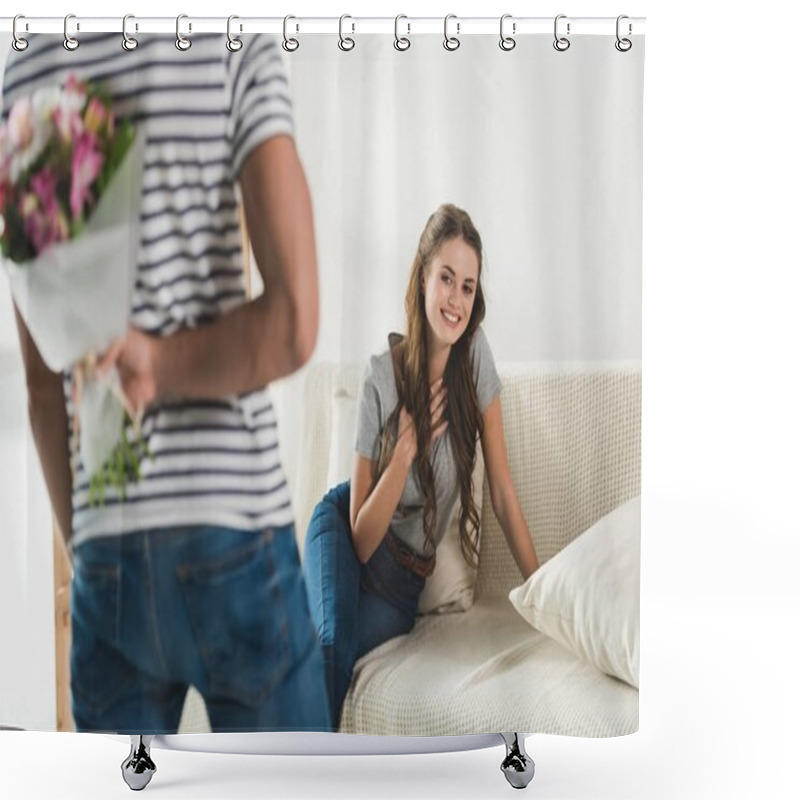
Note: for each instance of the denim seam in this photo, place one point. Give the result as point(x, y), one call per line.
point(152, 611)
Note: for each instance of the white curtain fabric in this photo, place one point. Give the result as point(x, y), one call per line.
point(542, 148)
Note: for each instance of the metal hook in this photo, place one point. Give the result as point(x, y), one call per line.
point(345, 42)
point(233, 44)
point(623, 45)
point(128, 42)
point(561, 43)
point(507, 42)
point(451, 42)
point(70, 42)
point(401, 43)
point(290, 44)
point(181, 42)
point(19, 43)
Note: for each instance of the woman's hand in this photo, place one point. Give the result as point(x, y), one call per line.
point(406, 431)
point(135, 358)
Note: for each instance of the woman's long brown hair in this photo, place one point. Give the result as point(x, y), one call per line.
point(465, 424)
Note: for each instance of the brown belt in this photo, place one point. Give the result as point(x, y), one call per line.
point(407, 558)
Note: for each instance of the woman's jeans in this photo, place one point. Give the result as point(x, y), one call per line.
point(223, 610)
point(355, 607)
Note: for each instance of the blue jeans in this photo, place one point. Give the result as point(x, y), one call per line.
point(355, 607)
point(223, 610)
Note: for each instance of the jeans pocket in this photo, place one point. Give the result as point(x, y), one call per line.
point(239, 620)
point(100, 674)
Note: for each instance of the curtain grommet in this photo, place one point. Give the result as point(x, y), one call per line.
point(346, 43)
point(128, 42)
point(289, 44)
point(19, 43)
point(623, 44)
point(451, 43)
point(182, 42)
point(233, 44)
point(507, 43)
point(70, 42)
point(401, 43)
point(561, 43)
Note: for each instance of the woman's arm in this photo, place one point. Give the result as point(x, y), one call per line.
point(47, 413)
point(371, 512)
point(501, 489)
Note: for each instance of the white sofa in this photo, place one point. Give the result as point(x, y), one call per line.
point(573, 440)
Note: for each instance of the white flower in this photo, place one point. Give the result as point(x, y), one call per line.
point(45, 101)
point(27, 134)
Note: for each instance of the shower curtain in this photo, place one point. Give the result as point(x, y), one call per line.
point(243, 555)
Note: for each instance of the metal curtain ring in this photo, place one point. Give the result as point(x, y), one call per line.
point(451, 42)
point(401, 43)
point(561, 43)
point(128, 42)
point(623, 45)
point(70, 42)
point(507, 42)
point(345, 42)
point(233, 44)
point(290, 44)
point(181, 42)
point(19, 42)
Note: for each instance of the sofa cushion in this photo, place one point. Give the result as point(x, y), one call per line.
point(574, 451)
point(587, 596)
point(481, 672)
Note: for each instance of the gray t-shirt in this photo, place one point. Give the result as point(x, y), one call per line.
point(377, 398)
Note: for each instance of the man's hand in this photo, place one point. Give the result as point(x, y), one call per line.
point(135, 357)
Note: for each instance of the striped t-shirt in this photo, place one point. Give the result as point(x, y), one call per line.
point(212, 462)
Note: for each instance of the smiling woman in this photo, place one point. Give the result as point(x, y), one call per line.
point(424, 404)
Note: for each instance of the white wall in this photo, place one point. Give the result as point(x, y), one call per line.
point(544, 153)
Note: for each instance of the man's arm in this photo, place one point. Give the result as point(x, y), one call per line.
point(263, 340)
point(48, 419)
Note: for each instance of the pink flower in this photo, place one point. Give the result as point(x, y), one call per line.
point(68, 123)
point(43, 184)
point(74, 86)
point(44, 227)
point(86, 165)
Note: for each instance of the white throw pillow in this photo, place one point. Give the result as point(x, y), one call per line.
point(587, 596)
point(451, 587)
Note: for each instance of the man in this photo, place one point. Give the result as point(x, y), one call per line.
point(193, 577)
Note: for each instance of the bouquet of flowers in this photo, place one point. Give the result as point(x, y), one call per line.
point(70, 175)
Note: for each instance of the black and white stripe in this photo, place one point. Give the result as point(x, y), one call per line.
point(203, 111)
